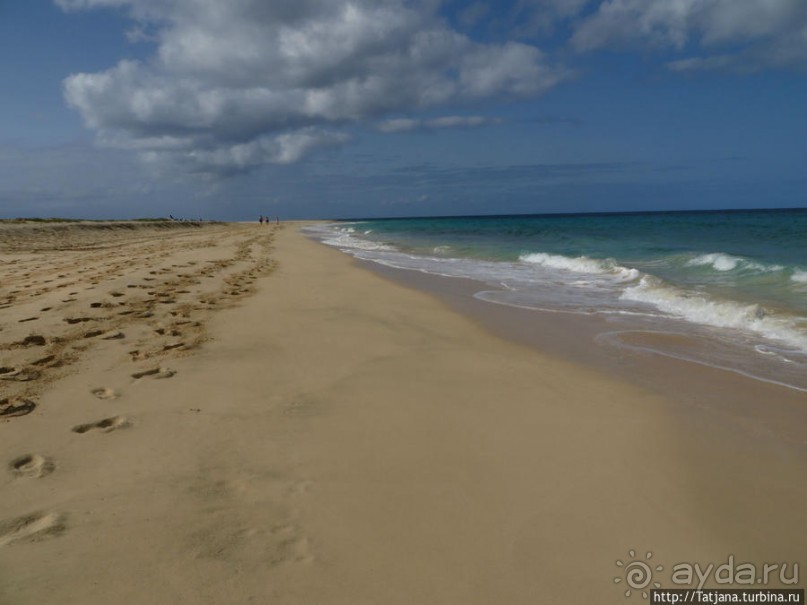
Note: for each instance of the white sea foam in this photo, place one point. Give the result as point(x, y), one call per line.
point(581, 284)
point(594, 286)
point(343, 238)
point(791, 381)
point(703, 309)
point(780, 354)
point(720, 261)
point(580, 264)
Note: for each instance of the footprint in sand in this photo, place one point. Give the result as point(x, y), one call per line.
point(44, 360)
point(34, 340)
point(31, 465)
point(10, 407)
point(31, 527)
point(155, 373)
point(105, 393)
point(107, 425)
point(27, 375)
point(105, 335)
point(18, 374)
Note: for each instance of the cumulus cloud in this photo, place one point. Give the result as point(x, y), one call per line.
point(758, 33)
point(234, 85)
point(228, 160)
point(413, 124)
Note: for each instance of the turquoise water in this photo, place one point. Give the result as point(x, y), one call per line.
point(738, 278)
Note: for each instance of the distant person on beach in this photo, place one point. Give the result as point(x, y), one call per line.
point(260, 220)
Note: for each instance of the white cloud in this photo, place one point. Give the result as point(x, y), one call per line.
point(757, 33)
point(396, 125)
point(226, 160)
point(623, 22)
point(399, 125)
point(240, 83)
point(702, 64)
point(461, 121)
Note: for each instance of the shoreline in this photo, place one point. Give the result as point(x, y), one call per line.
point(720, 309)
point(340, 438)
point(578, 339)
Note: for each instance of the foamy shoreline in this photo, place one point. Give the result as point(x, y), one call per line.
point(338, 438)
point(740, 336)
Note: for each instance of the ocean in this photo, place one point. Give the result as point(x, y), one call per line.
point(727, 289)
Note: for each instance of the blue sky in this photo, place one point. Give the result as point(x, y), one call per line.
point(335, 108)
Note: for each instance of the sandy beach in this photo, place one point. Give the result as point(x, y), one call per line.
point(234, 413)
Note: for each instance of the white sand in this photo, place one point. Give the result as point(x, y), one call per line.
point(336, 438)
